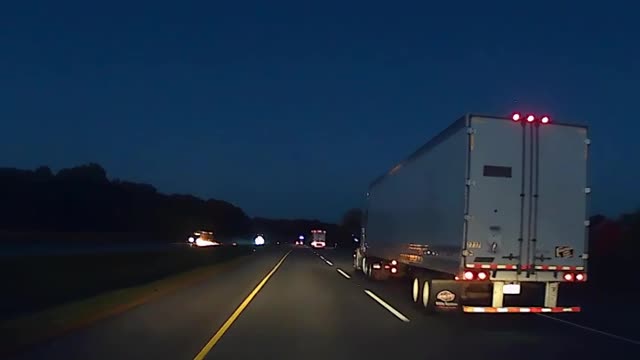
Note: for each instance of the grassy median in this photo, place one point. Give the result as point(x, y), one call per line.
point(50, 295)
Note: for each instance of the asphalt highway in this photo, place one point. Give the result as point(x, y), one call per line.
point(297, 303)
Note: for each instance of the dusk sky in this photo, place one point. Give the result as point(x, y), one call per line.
point(288, 109)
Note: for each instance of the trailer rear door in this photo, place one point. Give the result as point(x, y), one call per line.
point(560, 231)
point(527, 195)
point(495, 211)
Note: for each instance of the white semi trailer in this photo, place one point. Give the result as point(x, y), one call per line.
point(490, 212)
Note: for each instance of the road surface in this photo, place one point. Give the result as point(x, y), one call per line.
point(320, 308)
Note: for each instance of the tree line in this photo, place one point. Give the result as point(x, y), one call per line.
point(614, 244)
point(83, 199)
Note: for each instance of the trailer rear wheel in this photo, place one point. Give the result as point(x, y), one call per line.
point(427, 296)
point(364, 266)
point(415, 290)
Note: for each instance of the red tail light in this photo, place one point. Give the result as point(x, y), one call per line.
point(394, 270)
point(568, 276)
point(393, 262)
point(387, 267)
point(473, 275)
point(515, 117)
point(581, 277)
point(545, 120)
point(531, 118)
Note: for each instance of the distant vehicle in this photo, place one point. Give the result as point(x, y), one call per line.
point(482, 215)
point(300, 240)
point(259, 240)
point(318, 239)
point(203, 238)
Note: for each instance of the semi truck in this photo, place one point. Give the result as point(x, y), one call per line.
point(318, 239)
point(489, 216)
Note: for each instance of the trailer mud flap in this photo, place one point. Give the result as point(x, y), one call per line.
point(446, 295)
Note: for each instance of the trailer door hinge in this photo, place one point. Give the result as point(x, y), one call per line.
point(587, 141)
point(587, 190)
point(468, 217)
point(587, 222)
point(470, 182)
point(585, 256)
point(471, 130)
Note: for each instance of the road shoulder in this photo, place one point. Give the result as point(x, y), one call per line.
point(19, 333)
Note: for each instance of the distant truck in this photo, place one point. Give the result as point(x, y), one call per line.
point(318, 239)
point(482, 217)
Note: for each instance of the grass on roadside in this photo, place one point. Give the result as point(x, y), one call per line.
point(38, 326)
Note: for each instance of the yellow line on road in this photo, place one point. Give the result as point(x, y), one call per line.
point(218, 335)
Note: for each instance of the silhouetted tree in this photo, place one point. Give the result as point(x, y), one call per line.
point(43, 173)
point(89, 173)
point(352, 221)
point(82, 199)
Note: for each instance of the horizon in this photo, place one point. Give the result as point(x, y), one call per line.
point(254, 217)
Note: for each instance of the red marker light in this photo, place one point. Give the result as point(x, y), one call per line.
point(544, 120)
point(531, 118)
point(580, 277)
point(568, 276)
point(515, 117)
point(482, 275)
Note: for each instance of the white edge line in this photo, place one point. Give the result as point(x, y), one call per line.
point(343, 273)
point(635, 342)
point(329, 262)
point(395, 312)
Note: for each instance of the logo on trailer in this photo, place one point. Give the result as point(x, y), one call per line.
point(446, 296)
point(564, 251)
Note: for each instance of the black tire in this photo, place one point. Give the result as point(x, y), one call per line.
point(416, 291)
point(427, 297)
point(365, 266)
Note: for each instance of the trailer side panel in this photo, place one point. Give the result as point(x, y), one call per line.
point(415, 213)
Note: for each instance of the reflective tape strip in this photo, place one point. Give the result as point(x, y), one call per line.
point(492, 266)
point(474, 309)
point(524, 267)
